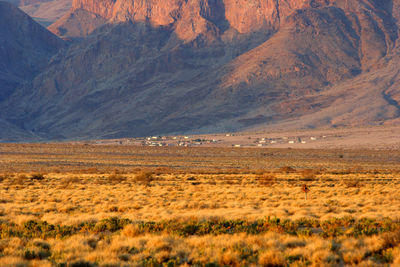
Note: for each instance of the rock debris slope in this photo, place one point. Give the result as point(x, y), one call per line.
point(157, 67)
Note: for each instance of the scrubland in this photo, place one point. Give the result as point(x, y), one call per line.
point(87, 205)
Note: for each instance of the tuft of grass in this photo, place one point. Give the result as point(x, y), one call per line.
point(4, 176)
point(272, 258)
point(352, 182)
point(391, 239)
point(144, 178)
point(308, 175)
point(111, 224)
point(73, 180)
point(116, 178)
point(21, 179)
point(36, 177)
point(266, 179)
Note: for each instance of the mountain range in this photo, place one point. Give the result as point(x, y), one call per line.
point(123, 68)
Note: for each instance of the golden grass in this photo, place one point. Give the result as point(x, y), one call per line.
point(67, 199)
point(71, 184)
point(269, 249)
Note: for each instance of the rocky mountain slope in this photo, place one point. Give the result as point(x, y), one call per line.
point(25, 48)
point(46, 12)
point(188, 18)
point(156, 67)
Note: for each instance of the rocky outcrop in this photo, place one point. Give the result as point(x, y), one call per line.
point(193, 17)
point(74, 26)
point(243, 15)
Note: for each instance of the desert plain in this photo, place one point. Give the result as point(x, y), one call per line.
point(120, 205)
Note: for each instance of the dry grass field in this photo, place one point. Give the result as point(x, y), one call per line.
point(92, 205)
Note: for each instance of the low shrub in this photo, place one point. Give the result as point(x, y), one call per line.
point(21, 179)
point(391, 240)
point(302, 227)
point(111, 224)
point(116, 178)
point(308, 175)
point(3, 177)
point(37, 176)
point(81, 263)
point(144, 178)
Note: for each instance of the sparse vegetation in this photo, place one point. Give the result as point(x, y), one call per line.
point(266, 179)
point(308, 175)
point(37, 176)
point(352, 182)
point(181, 213)
point(116, 178)
point(144, 178)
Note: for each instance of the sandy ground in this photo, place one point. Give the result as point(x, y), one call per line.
point(352, 138)
point(379, 137)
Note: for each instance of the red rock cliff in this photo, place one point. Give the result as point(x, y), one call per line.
point(243, 15)
point(193, 17)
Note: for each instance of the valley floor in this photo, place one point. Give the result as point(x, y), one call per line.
point(98, 205)
point(352, 138)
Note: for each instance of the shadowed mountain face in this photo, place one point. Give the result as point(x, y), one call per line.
point(158, 67)
point(45, 12)
point(25, 48)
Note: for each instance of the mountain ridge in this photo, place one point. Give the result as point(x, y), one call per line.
point(45, 12)
point(153, 67)
point(25, 48)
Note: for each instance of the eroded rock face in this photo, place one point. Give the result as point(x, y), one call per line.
point(103, 8)
point(192, 17)
point(243, 15)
